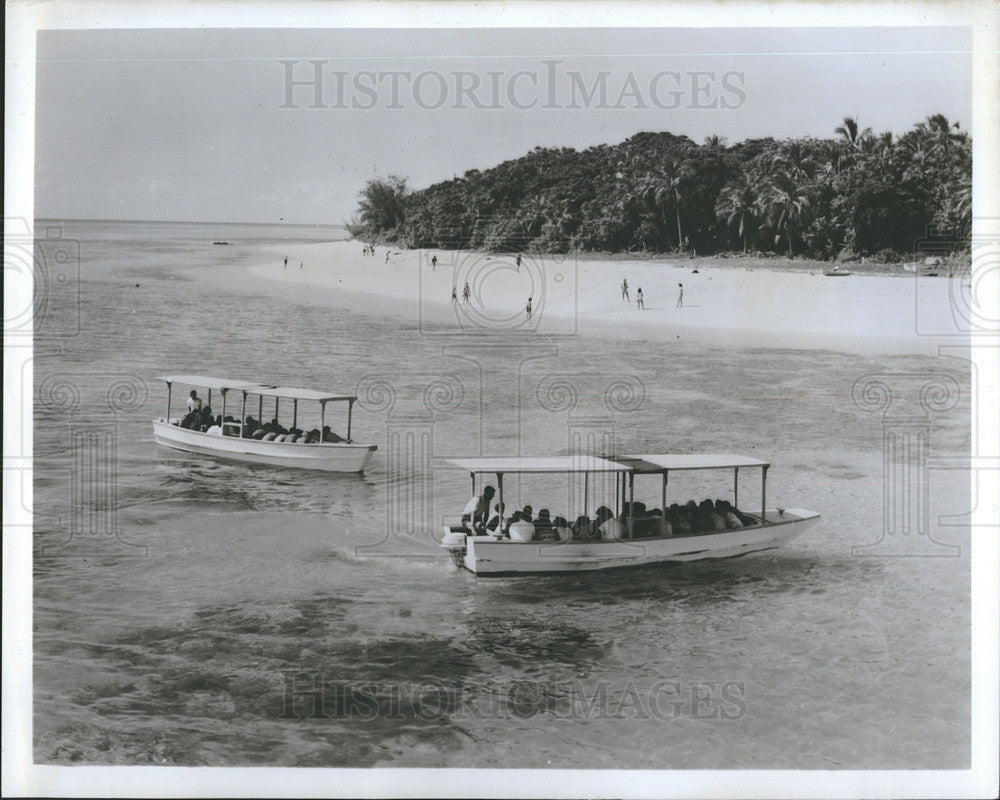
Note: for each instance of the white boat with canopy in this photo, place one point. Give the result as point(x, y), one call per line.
point(641, 537)
point(249, 439)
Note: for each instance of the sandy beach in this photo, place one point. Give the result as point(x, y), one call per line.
point(749, 307)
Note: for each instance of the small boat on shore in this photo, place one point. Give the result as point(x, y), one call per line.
point(837, 273)
point(244, 438)
point(632, 537)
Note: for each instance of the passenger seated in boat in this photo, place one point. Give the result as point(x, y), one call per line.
point(718, 520)
point(608, 527)
point(544, 529)
point(330, 436)
point(583, 528)
point(728, 511)
point(190, 420)
point(496, 523)
point(521, 529)
point(700, 521)
point(658, 525)
point(640, 521)
point(259, 434)
point(313, 436)
point(206, 420)
point(562, 529)
point(215, 430)
point(679, 524)
point(270, 437)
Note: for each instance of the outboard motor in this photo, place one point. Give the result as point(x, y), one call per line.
point(454, 542)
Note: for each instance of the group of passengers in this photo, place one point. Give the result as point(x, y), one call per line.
point(482, 516)
point(273, 431)
point(199, 418)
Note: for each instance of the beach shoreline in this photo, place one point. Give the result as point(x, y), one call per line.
point(733, 307)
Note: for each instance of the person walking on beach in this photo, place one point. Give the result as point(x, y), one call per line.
point(625, 289)
point(434, 263)
point(466, 293)
point(518, 263)
point(527, 308)
point(300, 265)
point(639, 302)
point(680, 295)
point(454, 295)
point(387, 252)
point(286, 263)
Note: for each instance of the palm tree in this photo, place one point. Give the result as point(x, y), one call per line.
point(795, 159)
point(665, 185)
point(737, 205)
point(937, 132)
point(785, 206)
point(851, 132)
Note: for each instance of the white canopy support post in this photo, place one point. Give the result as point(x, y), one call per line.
point(210, 395)
point(631, 500)
point(243, 414)
point(322, 417)
point(663, 494)
point(350, 409)
point(586, 491)
point(736, 487)
point(500, 500)
point(295, 413)
point(763, 496)
point(169, 389)
point(224, 393)
point(260, 409)
point(276, 399)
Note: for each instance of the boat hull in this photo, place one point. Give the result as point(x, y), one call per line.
point(487, 555)
point(327, 457)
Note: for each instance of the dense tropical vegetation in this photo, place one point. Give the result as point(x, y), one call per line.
point(857, 194)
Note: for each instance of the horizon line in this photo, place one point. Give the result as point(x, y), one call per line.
point(188, 221)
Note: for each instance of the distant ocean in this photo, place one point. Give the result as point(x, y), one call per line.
point(191, 611)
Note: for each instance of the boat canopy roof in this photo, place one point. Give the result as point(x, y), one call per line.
point(301, 394)
point(539, 464)
point(209, 382)
point(264, 389)
point(683, 461)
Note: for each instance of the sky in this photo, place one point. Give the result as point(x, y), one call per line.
point(202, 125)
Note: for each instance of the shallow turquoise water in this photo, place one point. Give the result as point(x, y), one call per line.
point(191, 611)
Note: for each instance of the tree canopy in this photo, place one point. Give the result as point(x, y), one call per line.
point(658, 192)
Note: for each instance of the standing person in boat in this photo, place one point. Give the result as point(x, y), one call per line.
point(639, 302)
point(625, 290)
point(193, 402)
point(477, 510)
point(680, 295)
